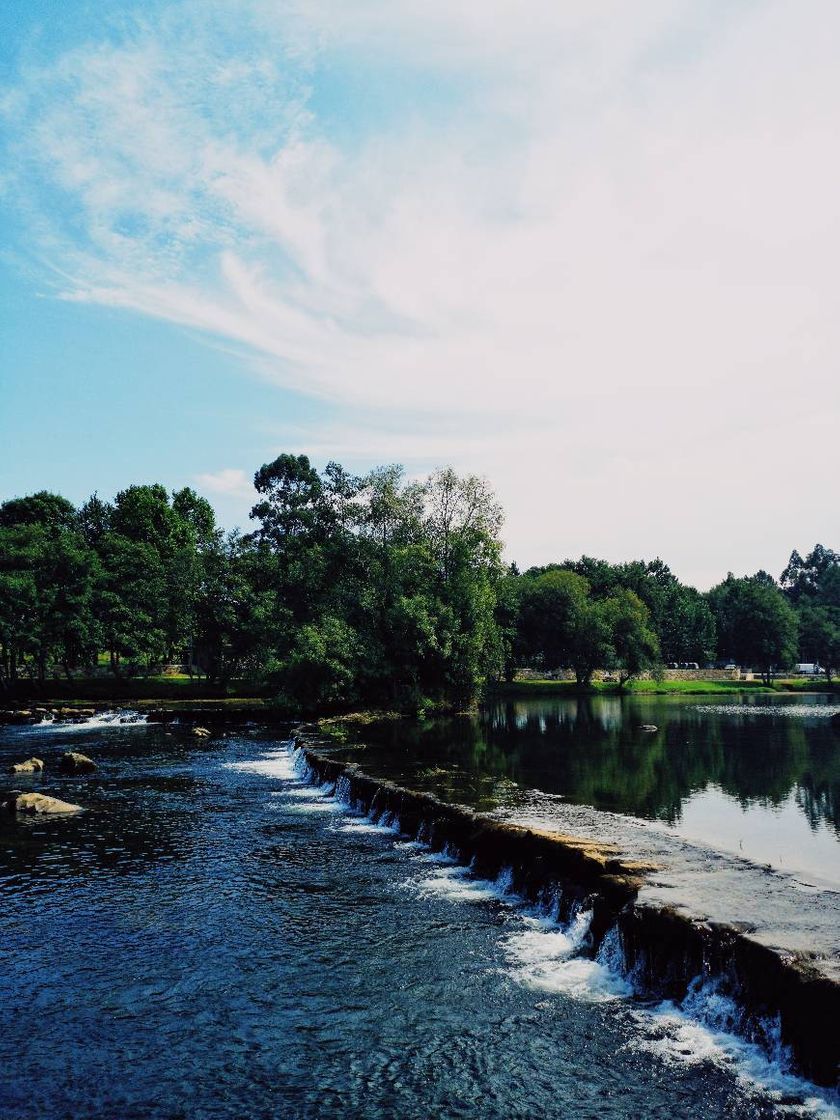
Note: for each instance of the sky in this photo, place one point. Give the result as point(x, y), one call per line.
point(587, 250)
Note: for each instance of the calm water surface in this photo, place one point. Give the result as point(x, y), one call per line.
point(759, 778)
point(215, 938)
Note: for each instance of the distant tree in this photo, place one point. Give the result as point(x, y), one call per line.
point(321, 667)
point(291, 504)
point(236, 613)
point(803, 579)
point(634, 644)
point(47, 511)
point(509, 599)
point(562, 624)
point(755, 623)
point(679, 615)
point(131, 604)
point(46, 585)
point(819, 637)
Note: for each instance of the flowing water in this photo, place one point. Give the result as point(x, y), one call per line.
point(214, 936)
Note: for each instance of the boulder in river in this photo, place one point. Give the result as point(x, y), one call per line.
point(39, 803)
point(31, 766)
point(74, 763)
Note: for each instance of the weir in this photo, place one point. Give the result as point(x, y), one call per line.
point(776, 999)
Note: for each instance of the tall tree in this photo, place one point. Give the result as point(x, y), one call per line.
point(803, 579)
point(755, 623)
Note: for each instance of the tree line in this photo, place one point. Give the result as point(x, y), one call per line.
point(371, 589)
point(589, 614)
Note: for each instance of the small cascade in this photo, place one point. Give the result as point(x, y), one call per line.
point(585, 932)
point(116, 718)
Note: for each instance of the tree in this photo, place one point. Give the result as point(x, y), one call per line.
point(755, 623)
point(236, 614)
point(562, 624)
point(46, 581)
point(679, 615)
point(803, 579)
point(819, 637)
point(634, 644)
point(292, 503)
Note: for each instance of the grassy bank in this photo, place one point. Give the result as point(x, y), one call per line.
point(659, 688)
point(84, 690)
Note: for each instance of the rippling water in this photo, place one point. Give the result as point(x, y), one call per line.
point(215, 938)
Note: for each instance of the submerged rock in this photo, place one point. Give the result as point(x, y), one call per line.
point(40, 803)
point(31, 766)
point(75, 763)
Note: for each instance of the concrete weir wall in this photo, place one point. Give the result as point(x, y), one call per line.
point(664, 952)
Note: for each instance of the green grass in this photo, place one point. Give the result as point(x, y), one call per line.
point(96, 689)
point(663, 688)
point(699, 688)
point(654, 688)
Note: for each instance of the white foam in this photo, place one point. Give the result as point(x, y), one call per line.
point(446, 858)
point(355, 824)
point(275, 764)
point(675, 1035)
point(545, 955)
point(454, 883)
point(122, 719)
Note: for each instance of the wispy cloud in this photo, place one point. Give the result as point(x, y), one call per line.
point(229, 481)
point(611, 257)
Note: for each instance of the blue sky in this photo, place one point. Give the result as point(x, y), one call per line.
point(585, 250)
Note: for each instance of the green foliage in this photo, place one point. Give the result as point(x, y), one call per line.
point(562, 623)
point(679, 615)
point(805, 580)
point(634, 644)
point(374, 590)
point(819, 636)
point(756, 625)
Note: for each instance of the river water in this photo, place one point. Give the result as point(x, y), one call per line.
point(215, 937)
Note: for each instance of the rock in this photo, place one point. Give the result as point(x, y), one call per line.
point(75, 763)
point(32, 803)
point(200, 733)
point(31, 766)
point(649, 727)
point(22, 715)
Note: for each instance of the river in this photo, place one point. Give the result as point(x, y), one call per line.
point(216, 937)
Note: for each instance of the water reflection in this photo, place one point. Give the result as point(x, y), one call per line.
point(595, 751)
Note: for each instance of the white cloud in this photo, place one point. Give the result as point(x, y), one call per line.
point(614, 264)
point(229, 481)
